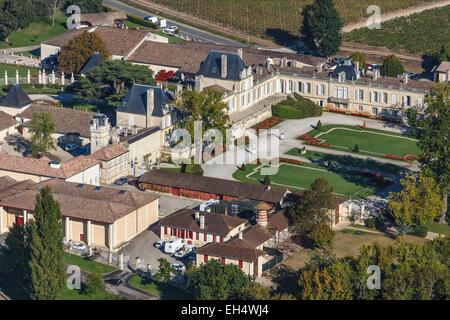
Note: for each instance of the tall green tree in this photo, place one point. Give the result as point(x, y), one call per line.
point(321, 27)
point(111, 81)
point(359, 57)
point(77, 52)
point(433, 133)
point(392, 66)
point(95, 282)
point(214, 281)
point(418, 203)
point(313, 206)
point(205, 106)
point(165, 270)
point(46, 248)
point(42, 128)
point(14, 256)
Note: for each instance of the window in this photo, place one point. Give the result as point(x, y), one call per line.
point(361, 108)
point(374, 96)
point(205, 237)
point(191, 235)
point(394, 99)
point(384, 98)
point(221, 239)
point(359, 94)
point(321, 103)
point(341, 92)
point(375, 111)
point(308, 87)
point(300, 86)
point(384, 112)
point(321, 89)
point(407, 100)
point(241, 264)
point(420, 102)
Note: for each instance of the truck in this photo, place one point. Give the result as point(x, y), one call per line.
point(172, 246)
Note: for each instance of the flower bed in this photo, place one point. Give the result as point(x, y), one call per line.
point(313, 141)
point(267, 124)
point(406, 158)
point(291, 161)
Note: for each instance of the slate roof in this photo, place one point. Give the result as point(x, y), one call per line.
point(232, 188)
point(215, 223)
point(16, 98)
point(350, 73)
point(136, 100)
point(66, 120)
point(94, 61)
point(212, 66)
point(6, 121)
point(100, 204)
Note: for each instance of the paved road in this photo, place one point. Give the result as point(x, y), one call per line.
point(185, 30)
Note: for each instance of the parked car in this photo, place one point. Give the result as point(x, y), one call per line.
point(152, 19)
point(171, 29)
point(79, 246)
point(185, 251)
point(121, 181)
point(114, 282)
point(173, 246)
point(159, 244)
point(70, 147)
point(179, 267)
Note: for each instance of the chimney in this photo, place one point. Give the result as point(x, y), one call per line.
point(262, 208)
point(224, 66)
point(202, 222)
point(150, 106)
point(240, 235)
point(357, 69)
point(197, 216)
point(239, 52)
point(406, 78)
point(376, 74)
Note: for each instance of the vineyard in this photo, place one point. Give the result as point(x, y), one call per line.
point(274, 18)
point(423, 32)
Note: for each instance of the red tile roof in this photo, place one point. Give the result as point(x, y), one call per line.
point(230, 251)
point(110, 152)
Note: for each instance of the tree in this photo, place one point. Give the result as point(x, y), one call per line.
point(418, 203)
point(111, 81)
point(46, 264)
point(321, 27)
point(392, 67)
point(433, 133)
point(165, 270)
point(42, 128)
point(319, 125)
point(215, 281)
point(77, 52)
point(356, 148)
point(14, 256)
point(256, 291)
point(443, 54)
point(267, 181)
point(95, 282)
point(321, 235)
point(313, 206)
point(86, 6)
point(359, 57)
point(205, 106)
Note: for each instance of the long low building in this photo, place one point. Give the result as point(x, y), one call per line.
point(205, 188)
point(99, 216)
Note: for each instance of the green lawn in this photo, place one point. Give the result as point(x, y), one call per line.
point(348, 160)
point(87, 265)
point(370, 141)
point(36, 33)
point(161, 290)
point(301, 176)
point(11, 68)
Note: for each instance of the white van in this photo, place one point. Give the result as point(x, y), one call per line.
point(172, 246)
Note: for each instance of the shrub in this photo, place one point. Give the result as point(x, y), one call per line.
point(243, 167)
point(267, 181)
point(372, 223)
point(321, 235)
point(420, 231)
point(296, 107)
point(194, 169)
point(356, 148)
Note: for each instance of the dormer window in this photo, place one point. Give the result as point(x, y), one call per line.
point(214, 70)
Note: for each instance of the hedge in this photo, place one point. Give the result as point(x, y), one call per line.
point(296, 107)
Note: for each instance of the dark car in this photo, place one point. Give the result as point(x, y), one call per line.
point(114, 282)
point(121, 181)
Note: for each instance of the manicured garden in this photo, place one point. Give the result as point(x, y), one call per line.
point(11, 69)
point(296, 107)
point(87, 265)
point(300, 176)
point(371, 142)
point(164, 291)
